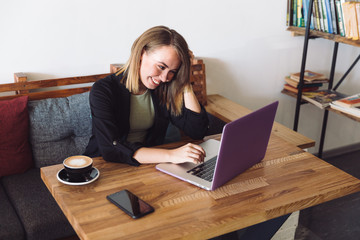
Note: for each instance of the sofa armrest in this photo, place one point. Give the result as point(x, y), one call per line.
point(20, 77)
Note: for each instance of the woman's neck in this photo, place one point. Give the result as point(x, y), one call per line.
point(142, 89)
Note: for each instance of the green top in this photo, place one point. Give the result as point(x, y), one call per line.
point(142, 116)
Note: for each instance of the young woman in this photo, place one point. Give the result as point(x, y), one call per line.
point(131, 109)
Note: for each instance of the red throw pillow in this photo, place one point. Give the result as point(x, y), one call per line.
point(15, 151)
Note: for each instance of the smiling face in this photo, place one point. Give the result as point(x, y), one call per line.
point(158, 66)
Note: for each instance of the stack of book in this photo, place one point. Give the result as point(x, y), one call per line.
point(310, 91)
point(331, 16)
point(349, 105)
point(312, 81)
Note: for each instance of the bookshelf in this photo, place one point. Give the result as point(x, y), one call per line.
point(300, 31)
point(336, 38)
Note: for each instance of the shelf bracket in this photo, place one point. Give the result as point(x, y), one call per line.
point(331, 80)
point(347, 72)
point(326, 113)
point(303, 64)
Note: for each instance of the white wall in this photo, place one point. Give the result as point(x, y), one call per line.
point(245, 45)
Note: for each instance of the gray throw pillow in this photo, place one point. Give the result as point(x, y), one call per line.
point(59, 128)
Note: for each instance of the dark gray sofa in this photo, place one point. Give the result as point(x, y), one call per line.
point(59, 127)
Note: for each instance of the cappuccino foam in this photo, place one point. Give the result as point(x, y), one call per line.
point(78, 161)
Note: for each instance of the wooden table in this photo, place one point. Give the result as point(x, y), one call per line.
point(287, 180)
point(227, 110)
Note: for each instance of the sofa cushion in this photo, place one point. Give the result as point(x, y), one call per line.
point(15, 151)
point(40, 215)
point(10, 225)
point(59, 128)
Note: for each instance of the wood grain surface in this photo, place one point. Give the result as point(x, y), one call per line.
point(287, 180)
point(228, 111)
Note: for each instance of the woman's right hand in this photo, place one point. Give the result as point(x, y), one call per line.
point(187, 153)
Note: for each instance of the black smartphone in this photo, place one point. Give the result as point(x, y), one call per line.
point(130, 203)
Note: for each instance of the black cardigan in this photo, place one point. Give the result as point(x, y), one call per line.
point(110, 111)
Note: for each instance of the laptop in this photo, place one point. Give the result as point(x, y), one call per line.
point(243, 144)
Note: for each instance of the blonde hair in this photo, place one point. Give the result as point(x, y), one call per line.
point(171, 93)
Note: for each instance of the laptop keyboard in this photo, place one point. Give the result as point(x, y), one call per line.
point(205, 170)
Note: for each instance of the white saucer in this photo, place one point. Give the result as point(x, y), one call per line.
point(62, 176)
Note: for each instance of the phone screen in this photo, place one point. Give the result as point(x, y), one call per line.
point(130, 203)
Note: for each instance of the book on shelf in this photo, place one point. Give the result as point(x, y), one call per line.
point(295, 83)
point(319, 15)
point(353, 111)
point(288, 12)
point(296, 90)
point(328, 16)
point(350, 20)
point(322, 98)
point(294, 12)
point(291, 13)
point(331, 16)
point(306, 12)
point(350, 101)
point(340, 18)
point(357, 12)
point(300, 13)
point(325, 16)
point(316, 15)
point(309, 76)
